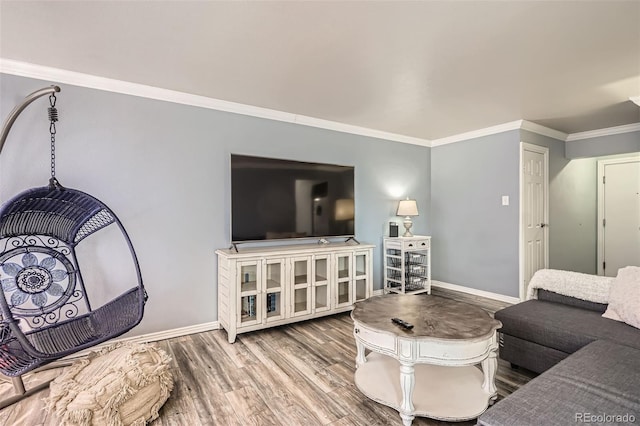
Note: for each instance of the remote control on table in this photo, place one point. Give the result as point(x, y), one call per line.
point(402, 323)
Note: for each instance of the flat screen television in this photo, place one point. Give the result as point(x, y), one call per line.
point(279, 199)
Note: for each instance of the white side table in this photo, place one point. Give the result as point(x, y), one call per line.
point(407, 264)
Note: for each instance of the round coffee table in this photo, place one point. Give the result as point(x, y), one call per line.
point(429, 370)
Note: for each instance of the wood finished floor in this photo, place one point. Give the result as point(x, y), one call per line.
point(299, 374)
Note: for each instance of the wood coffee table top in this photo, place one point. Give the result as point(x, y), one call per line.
point(432, 317)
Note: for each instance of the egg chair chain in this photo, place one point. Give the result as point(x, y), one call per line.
point(53, 117)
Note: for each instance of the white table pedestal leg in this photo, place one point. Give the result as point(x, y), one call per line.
point(407, 382)
point(360, 358)
point(489, 367)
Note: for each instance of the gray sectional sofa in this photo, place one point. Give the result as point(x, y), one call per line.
point(599, 385)
point(539, 333)
point(590, 365)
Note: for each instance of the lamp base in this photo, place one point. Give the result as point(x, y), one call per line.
point(407, 225)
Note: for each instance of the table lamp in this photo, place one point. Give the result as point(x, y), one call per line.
point(407, 208)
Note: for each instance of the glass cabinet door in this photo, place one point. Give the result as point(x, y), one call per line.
point(248, 309)
point(361, 274)
point(301, 286)
point(361, 264)
point(320, 288)
point(273, 290)
point(344, 280)
point(361, 290)
point(344, 293)
point(248, 277)
point(321, 298)
point(320, 269)
point(248, 303)
point(274, 274)
point(273, 305)
point(344, 266)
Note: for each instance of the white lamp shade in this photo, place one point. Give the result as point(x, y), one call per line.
point(407, 208)
point(344, 209)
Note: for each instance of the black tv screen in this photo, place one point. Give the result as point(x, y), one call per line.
point(277, 199)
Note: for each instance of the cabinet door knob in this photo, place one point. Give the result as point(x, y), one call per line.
point(411, 245)
point(424, 244)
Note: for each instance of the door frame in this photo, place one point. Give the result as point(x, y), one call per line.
point(524, 146)
point(600, 198)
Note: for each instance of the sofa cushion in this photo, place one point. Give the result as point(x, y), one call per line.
point(527, 354)
point(562, 327)
point(601, 379)
point(624, 297)
point(551, 296)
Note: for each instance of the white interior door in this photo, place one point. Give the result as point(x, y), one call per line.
point(618, 214)
point(534, 183)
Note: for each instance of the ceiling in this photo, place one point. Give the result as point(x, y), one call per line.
point(421, 69)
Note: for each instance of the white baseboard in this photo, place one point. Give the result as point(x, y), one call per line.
point(154, 337)
point(378, 292)
point(476, 292)
point(175, 332)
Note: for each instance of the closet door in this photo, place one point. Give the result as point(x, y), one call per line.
point(619, 214)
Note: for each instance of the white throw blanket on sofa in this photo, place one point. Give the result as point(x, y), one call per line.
point(593, 288)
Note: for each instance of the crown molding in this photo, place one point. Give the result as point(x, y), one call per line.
point(57, 75)
point(543, 130)
point(500, 128)
point(356, 130)
point(61, 76)
point(627, 128)
point(635, 100)
point(505, 127)
point(539, 129)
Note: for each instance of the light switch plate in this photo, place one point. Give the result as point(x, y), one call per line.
point(505, 200)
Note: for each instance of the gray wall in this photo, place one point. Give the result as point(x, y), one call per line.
point(164, 169)
point(475, 238)
point(604, 145)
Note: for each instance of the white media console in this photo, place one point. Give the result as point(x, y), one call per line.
point(269, 286)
